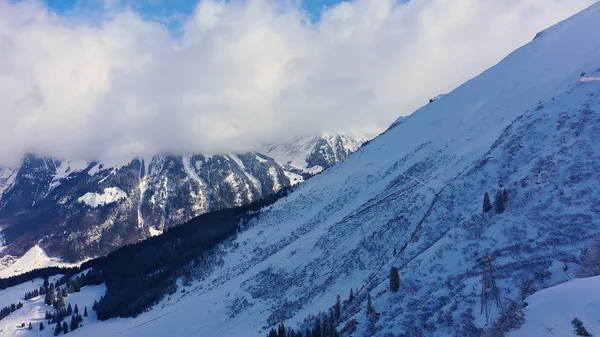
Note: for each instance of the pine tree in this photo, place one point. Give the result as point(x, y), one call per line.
point(69, 310)
point(337, 308)
point(58, 329)
point(487, 206)
point(370, 308)
point(579, 328)
point(499, 202)
point(49, 300)
point(331, 322)
point(394, 279)
point(65, 327)
point(74, 322)
point(60, 303)
point(41, 326)
point(30, 327)
point(281, 330)
point(351, 297)
point(85, 311)
point(76, 310)
point(317, 330)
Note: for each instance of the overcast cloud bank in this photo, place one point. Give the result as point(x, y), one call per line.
point(241, 73)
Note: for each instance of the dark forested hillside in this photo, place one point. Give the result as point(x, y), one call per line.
point(138, 275)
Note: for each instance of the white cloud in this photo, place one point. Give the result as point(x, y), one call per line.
point(241, 73)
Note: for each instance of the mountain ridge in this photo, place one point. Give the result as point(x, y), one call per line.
point(78, 202)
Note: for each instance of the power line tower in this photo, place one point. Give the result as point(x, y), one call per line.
point(489, 290)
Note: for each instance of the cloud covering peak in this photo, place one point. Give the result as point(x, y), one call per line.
point(240, 73)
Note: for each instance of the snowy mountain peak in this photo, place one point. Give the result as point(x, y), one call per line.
point(313, 154)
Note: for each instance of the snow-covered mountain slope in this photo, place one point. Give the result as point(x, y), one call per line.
point(114, 205)
point(314, 154)
point(33, 310)
point(7, 177)
point(551, 311)
point(76, 210)
point(35, 258)
point(412, 198)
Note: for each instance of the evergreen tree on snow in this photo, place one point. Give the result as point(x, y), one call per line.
point(337, 308)
point(317, 330)
point(394, 279)
point(370, 308)
point(49, 300)
point(499, 202)
point(74, 322)
point(281, 330)
point(41, 326)
point(579, 328)
point(487, 205)
point(85, 311)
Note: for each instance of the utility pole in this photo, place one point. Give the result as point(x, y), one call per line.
point(489, 290)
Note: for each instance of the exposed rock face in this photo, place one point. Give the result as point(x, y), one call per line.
point(82, 209)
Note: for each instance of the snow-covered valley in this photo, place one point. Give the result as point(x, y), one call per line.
point(412, 199)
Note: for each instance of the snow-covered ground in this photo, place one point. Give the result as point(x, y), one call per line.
point(34, 258)
point(34, 309)
point(551, 311)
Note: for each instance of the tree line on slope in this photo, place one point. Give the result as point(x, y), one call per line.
point(137, 276)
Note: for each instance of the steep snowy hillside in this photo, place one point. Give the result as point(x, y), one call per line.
point(313, 154)
point(551, 311)
point(412, 199)
point(76, 210)
point(7, 177)
point(33, 310)
point(35, 258)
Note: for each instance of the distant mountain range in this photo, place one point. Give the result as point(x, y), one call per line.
point(76, 210)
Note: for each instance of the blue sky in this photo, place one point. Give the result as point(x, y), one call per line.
point(153, 9)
